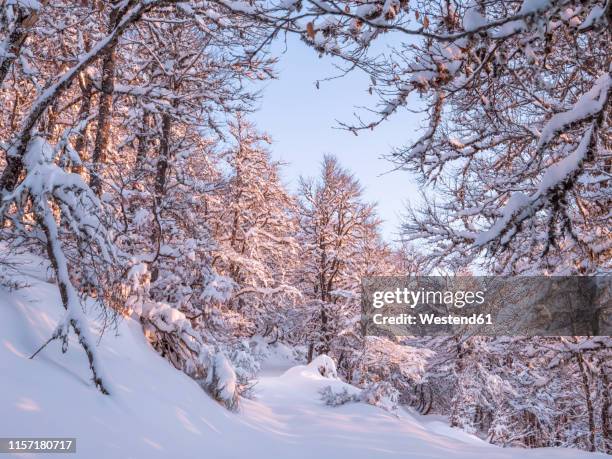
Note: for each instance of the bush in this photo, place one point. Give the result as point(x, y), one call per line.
point(381, 394)
point(337, 397)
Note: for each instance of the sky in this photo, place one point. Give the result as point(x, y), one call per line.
point(303, 123)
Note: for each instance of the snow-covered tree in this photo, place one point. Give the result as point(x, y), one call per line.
point(252, 217)
point(520, 391)
point(516, 100)
point(335, 226)
point(68, 221)
point(516, 144)
point(76, 112)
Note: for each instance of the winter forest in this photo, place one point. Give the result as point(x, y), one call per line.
point(164, 293)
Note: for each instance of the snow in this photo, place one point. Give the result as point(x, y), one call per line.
point(288, 4)
point(240, 6)
point(31, 4)
point(226, 377)
point(533, 6)
point(275, 358)
point(590, 103)
point(166, 318)
point(322, 366)
point(520, 204)
point(594, 16)
point(510, 28)
point(517, 202)
point(142, 217)
point(473, 19)
point(156, 411)
point(558, 172)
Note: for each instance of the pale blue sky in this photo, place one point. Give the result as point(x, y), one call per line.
point(301, 121)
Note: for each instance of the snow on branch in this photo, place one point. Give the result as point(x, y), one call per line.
point(45, 185)
point(588, 107)
point(19, 145)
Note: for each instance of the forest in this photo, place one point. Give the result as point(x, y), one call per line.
point(131, 168)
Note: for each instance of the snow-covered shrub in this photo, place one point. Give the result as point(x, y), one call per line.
point(9, 283)
point(398, 363)
point(335, 396)
point(171, 334)
point(245, 362)
point(381, 394)
point(325, 366)
point(223, 382)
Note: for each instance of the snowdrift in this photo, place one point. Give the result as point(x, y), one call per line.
point(155, 411)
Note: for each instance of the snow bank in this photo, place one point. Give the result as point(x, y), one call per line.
point(324, 366)
point(156, 411)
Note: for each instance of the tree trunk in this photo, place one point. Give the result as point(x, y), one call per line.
point(107, 87)
point(310, 354)
point(67, 292)
point(160, 182)
point(589, 402)
point(16, 38)
point(605, 409)
point(86, 92)
point(325, 338)
point(143, 141)
point(164, 157)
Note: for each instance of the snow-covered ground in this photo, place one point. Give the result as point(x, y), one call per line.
point(157, 412)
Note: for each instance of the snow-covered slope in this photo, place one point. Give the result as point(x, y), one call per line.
point(155, 411)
